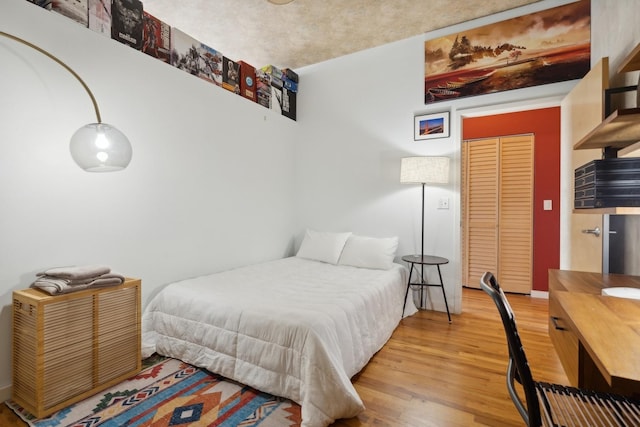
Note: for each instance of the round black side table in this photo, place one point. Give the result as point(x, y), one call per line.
point(425, 260)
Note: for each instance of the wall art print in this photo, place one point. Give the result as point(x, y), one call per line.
point(430, 126)
point(545, 47)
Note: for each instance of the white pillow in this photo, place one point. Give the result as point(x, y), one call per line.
point(322, 246)
point(369, 252)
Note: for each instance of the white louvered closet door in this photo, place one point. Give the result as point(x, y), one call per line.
point(497, 211)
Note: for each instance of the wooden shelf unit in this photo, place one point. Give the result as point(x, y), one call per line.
point(71, 346)
point(625, 210)
point(631, 62)
point(619, 130)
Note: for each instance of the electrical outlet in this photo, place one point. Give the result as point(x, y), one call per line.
point(443, 203)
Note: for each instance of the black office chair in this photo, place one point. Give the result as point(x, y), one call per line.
point(552, 404)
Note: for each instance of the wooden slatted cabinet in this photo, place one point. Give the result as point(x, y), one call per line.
point(68, 347)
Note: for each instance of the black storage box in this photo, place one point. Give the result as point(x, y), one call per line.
point(608, 183)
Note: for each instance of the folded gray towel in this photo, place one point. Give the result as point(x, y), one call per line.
point(55, 285)
point(77, 272)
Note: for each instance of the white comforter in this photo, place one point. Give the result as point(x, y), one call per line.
point(293, 327)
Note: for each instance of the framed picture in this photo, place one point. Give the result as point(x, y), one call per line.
point(540, 48)
point(430, 126)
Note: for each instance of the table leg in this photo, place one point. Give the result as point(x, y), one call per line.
point(443, 294)
point(406, 294)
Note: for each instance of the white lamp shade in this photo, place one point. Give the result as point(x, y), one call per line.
point(424, 170)
point(100, 147)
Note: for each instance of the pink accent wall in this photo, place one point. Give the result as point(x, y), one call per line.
point(545, 125)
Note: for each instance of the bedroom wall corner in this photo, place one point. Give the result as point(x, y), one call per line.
point(210, 185)
point(5, 393)
point(349, 148)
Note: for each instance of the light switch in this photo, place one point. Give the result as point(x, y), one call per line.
point(548, 205)
point(443, 203)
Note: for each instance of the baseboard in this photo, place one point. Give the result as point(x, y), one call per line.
point(5, 393)
point(540, 294)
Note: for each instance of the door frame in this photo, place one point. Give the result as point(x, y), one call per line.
point(540, 285)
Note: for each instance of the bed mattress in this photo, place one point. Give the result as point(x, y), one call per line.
point(293, 327)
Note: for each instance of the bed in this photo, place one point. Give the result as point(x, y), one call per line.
point(298, 327)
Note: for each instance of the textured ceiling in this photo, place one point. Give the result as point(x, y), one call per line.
point(306, 32)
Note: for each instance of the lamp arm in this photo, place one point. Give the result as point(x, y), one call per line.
point(65, 66)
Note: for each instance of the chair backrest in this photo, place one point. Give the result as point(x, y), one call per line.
point(518, 364)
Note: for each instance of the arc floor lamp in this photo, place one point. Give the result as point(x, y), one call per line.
point(96, 147)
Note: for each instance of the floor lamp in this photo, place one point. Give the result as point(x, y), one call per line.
point(96, 147)
point(424, 170)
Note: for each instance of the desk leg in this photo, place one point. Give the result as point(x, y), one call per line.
point(443, 294)
point(406, 294)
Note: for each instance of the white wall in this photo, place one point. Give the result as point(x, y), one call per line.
point(216, 181)
point(357, 123)
point(210, 185)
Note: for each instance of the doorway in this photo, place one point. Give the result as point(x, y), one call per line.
point(544, 125)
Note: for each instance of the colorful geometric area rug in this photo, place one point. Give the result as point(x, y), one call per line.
point(168, 392)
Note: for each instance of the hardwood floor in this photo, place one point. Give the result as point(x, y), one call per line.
point(432, 373)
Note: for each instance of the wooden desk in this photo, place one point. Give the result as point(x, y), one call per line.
point(596, 337)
